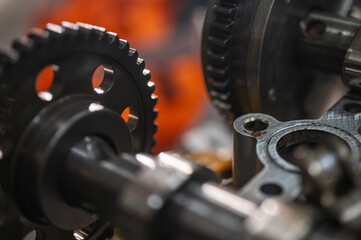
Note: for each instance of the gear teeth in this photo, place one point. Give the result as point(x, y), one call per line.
point(154, 99)
point(70, 28)
point(218, 41)
point(222, 26)
point(221, 96)
point(217, 57)
point(151, 86)
point(221, 105)
point(217, 72)
point(84, 27)
point(54, 30)
point(217, 52)
point(124, 45)
point(67, 33)
point(141, 63)
point(14, 56)
point(91, 31)
point(146, 74)
point(23, 45)
point(4, 59)
point(154, 142)
point(221, 85)
point(99, 32)
point(155, 114)
point(39, 36)
point(154, 127)
point(225, 11)
point(133, 53)
point(112, 38)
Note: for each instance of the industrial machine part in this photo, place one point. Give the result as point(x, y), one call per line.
point(70, 164)
point(45, 121)
point(260, 55)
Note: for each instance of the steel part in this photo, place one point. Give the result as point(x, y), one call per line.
point(274, 143)
point(42, 151)
point(167, 197)
point(14, 226)
point(351, 72)
point(206, 211)
point(136, 189)
point(249, 56)
point(66, 112)
point(333, 181)
point(325, 40)
point(270, 219)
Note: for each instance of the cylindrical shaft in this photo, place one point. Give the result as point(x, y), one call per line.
point(94, 176)
point(96, 180)
point(325, 40)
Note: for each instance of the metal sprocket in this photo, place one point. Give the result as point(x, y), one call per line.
point(75, 51)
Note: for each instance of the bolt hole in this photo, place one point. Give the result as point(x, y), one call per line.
point(255, 124)
point(103, 79)
point(44, 84)
point(315, 29)
point(271, 189)
point(130, 116)
point(352, 107)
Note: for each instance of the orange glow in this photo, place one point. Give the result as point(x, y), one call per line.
point(45, 79)
point(98, 76)
point(125, 114)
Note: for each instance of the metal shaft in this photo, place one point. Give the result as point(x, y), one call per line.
point(166, 197)
point(325, 41)
point(98, 181)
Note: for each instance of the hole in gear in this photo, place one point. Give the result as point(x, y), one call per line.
point(103, 79)
point(44, 84)
point(131, 117)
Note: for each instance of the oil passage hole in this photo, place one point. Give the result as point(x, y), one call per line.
point(255, 124)
point(315, 29)
point(103, 79)
point(312, 139)
point(272, 189)
point(352, 107)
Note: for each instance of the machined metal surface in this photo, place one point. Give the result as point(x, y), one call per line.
point(250, 57)
point(351, 74)
point(39, 127)
point(70, 165)
point(259, 137)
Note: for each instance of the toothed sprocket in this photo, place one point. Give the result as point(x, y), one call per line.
point(74, 52)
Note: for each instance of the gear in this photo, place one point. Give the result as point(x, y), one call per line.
point(219, 24)
point(250, 60)
point(74, 52)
